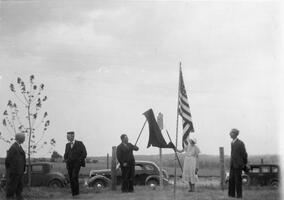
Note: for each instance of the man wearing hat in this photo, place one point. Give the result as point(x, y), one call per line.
point(15, 164)
point(74, 156)
point(237, 164)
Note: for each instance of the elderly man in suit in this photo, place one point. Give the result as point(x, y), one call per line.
point(127, 162)
point(15, 164)
point(239, 159)
point(74, 156)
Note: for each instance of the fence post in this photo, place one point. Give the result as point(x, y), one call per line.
point(222, 167)
point(113, 169)
point(161, 126)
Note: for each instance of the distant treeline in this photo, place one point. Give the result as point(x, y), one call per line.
point(209, 161)
point(88, 160)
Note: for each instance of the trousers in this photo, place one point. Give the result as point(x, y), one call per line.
point(14, 185)
point(127, 178)
point(73, 173)
point(235, 183)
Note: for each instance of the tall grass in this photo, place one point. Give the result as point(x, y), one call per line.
point(142, 193)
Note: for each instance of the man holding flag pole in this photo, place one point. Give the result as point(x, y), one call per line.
point(127, 162)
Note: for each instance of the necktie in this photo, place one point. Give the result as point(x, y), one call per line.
point(72, 144)
point(21, 148)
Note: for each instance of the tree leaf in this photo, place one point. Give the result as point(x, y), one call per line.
point(19, 80)
point(12, 88)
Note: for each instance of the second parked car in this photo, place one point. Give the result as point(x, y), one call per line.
point(146, 173)
point(42, 175)
point(261, 174)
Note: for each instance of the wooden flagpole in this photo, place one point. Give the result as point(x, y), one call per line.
point(140, 132)
point(175, 152)
point(175, 180)
point(161, 126)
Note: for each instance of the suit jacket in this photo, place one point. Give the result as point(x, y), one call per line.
point(75, 154)
point(15, 161)
point(124, 153)
point(239, 157)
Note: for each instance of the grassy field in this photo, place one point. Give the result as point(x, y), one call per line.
point(207, 189)
point(142, 193)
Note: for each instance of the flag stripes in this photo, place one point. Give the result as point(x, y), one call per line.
point(184, 110)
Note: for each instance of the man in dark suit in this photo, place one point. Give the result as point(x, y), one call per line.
point(74, 156)
point(127, 163)
point(15, 164)
point(239, 159)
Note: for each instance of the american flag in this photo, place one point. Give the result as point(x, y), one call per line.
point(184, 110)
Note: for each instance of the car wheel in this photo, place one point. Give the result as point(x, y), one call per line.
point(99, 185)
point(152, 183)
point(245, 180)
point(274, 184)
point(55, 184)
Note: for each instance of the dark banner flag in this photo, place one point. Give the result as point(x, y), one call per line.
point(156, 138)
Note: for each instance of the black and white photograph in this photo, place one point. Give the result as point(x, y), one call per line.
point(142, 99)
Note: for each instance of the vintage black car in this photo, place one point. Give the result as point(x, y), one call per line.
point(42, 175)
point(146, 173)
point(261, 174)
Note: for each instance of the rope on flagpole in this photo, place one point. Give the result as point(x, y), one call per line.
point(140, 132)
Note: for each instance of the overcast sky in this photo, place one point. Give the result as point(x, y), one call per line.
point(104, 64)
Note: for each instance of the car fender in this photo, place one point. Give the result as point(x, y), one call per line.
point(98, 177)
point(273, 180)
point(57, 176)
point(56, 179)
point(157, 178)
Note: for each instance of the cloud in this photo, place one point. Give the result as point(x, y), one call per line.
point(73, 36)
point(123, 57)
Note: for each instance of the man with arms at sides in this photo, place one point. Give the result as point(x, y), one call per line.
point(239, 159)
point(15, 164)
point(127, 163)
point(74, 156)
